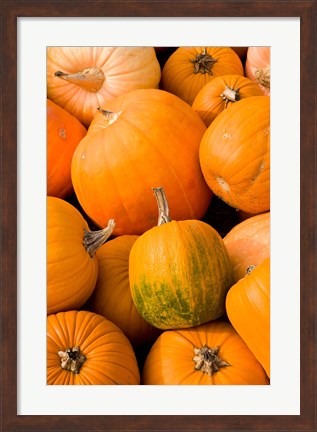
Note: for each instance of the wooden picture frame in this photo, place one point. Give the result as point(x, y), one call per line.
point(11, 10)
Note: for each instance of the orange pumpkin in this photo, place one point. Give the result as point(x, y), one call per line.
point(248, 309)
point(64, 132)
point(72, 267)
point(112, 296)
point(179, 272)
point(258, 67)
point(221, 93)
point(80, 79)
point(189, 69)
point(86, 348)
point(143, 138)
point(248, 244)
point(209, 354)
point(235, 155)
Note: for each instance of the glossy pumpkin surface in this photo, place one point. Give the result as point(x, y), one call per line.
point(112, 296)
point(71, 269)
point(80, 79)
point(179, 274)
point(250, 297)
point(64, 132)
point(189, 69)
point(235, 155)
point(86, 348)
point(209, 354)
point(248, 244)
point(220, 93)
point(145, 138)
point(258, 66)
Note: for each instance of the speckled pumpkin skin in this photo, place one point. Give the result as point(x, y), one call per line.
point(179, 274)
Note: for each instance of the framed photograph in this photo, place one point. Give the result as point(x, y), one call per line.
point(29, 29)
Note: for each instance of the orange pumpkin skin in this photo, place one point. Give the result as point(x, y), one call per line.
point(112, 296)
point(64, 132)
point(80, 79)
point(187, 71)
point(257, 67)
point(220, 93)
point(248, 309)
point(170, 360)
point(109, 357)
point(248, 244)
point(152, 139)
point(71, 270)
point(235, 155)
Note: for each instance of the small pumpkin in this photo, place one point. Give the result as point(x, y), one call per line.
point(235, 155)
point(64, 132)
point(209, 354)
point(189, 69)
point(112, 296)
point(250, 297)
point(258, 67)
point(179, 272)
point(80, 79)
point(142, 138)
point(72, 267)
point(84, 348)
point(248, 244)
point(221, 93)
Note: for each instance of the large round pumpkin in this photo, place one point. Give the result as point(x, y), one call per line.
point(64, 132)
point(86, 348)
point(179, 272)
point(80, 79)
point(258, 67)
point(248, 309)
point(189, 69)
point(112, 296)
point(248, 244)
point(221, 93)
point(72, 267)
point(235, 155)
point(143, 138)
point(209, 354)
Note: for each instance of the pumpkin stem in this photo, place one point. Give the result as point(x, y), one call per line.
point(162, 206)
point(206, 360)
point(230, 95)
point(263, 76)
point(71, 359)
point(94, 239)
point(203, 63)
point(110, 115)
point(250, 269)
point(90, 79)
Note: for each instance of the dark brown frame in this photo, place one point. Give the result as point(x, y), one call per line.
point(11, 10)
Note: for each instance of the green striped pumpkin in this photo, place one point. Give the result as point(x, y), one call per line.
point(179, 272)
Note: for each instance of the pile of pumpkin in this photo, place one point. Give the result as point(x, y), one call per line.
point(141, 286)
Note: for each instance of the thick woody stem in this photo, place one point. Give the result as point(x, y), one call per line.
point(162, 206)
point(203, 63)
point(206, 360)
point(71, 359)
point(94, 239)
point(230, 95)
point(90, 79)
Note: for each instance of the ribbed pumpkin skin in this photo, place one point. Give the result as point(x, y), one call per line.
point(179, 274)
point(248, 244)
point(124, 69)
point(170, 360)
point(258, 62)
point(110, 358)
point(235, 155)
point(64, 132)
point(154, 141)
point(112, 296)
point(250, 298)
point(211, 101)
point(71, 272)
point(178, 73)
